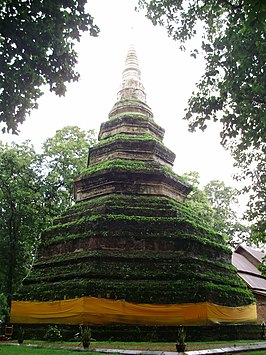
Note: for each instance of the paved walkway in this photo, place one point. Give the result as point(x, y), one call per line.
point(229, 350)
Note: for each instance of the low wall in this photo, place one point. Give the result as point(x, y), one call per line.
point(151, 334)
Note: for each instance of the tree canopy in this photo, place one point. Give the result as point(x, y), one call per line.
point(21, 211)
point(232, 90)
point(36, 48)
point(63, 156)
point(216, 204)
point(33, 189)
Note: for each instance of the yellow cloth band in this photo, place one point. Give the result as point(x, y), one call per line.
point(101, 311)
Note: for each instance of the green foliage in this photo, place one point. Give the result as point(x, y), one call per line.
point(181, 335)
point(181, 248)
point(216, 204)
point(33, 188)
point(232, 89)
point(164, 218)
point(172, 257)
point(127, 137)
point(53, 333)
point(84, 336)
point(21, 210)
point(224, 201)
point(63, 156)
point(4, 310)
point(117, 164)
point(262, 267)
point(166, 227)
point(37, 47)
point(170, 269)
point(198, 201)
point(130, 165)
point(20, 334)
point(141, 291)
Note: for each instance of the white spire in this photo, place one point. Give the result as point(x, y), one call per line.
point(131, 87)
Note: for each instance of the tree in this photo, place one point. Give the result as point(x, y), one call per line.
point(224, 201)
point(215, 204)
point(198, 200)
point(232, 90)
point(21, 212)
point(262, 267)
point(37, 47)
point(3, 308)
point(33, 189)
point(63, 157)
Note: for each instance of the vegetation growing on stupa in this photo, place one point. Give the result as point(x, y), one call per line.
point(191, 260)
point(136, 116)
point(127, 237)
point(127, 137)
point(130, 165)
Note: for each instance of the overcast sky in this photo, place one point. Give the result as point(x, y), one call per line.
point(168, 75)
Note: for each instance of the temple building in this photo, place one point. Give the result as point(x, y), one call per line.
point(247, 261)
point(130, 251)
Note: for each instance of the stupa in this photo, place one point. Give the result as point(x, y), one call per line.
point(130, 251)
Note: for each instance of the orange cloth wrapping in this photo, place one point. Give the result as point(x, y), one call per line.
point(101, 311)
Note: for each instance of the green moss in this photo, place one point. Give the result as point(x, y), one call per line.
point(169, 172)
point(127, 137)
point(122, 268)
point(184, 239)
point(131, 165)
point(67, 229)
point(172, 257)
point(133, 222)
point(137, 116)
point(142, 291)
point(131, 102)
point(118, 165)
point(196, 271)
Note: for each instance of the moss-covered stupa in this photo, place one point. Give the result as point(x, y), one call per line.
point(130, 251)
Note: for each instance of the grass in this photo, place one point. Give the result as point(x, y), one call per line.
point(42, 347)
point(21, 349)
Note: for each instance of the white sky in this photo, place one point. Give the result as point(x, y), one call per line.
point(168, 75)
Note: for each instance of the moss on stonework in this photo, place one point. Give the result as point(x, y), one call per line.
point(181, 241)
point(141, 225)
point(186, 268)
point(142, 291)
point(128, 137)
point(127, 165)
point(146, 206)
point(117, 164)
point(136, 121)
point(182, 261)
point(137, 116)
point(133, 201)
point(131, 101)
point(172, 257)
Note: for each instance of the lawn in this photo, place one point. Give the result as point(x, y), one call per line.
point(21, 350)
point(42, 347)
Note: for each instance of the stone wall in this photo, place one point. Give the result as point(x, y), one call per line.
point(261, 307)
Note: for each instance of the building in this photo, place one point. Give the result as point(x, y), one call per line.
point(130, 251)
point(247, 261)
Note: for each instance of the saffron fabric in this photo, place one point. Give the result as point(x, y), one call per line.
point(102, 311)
